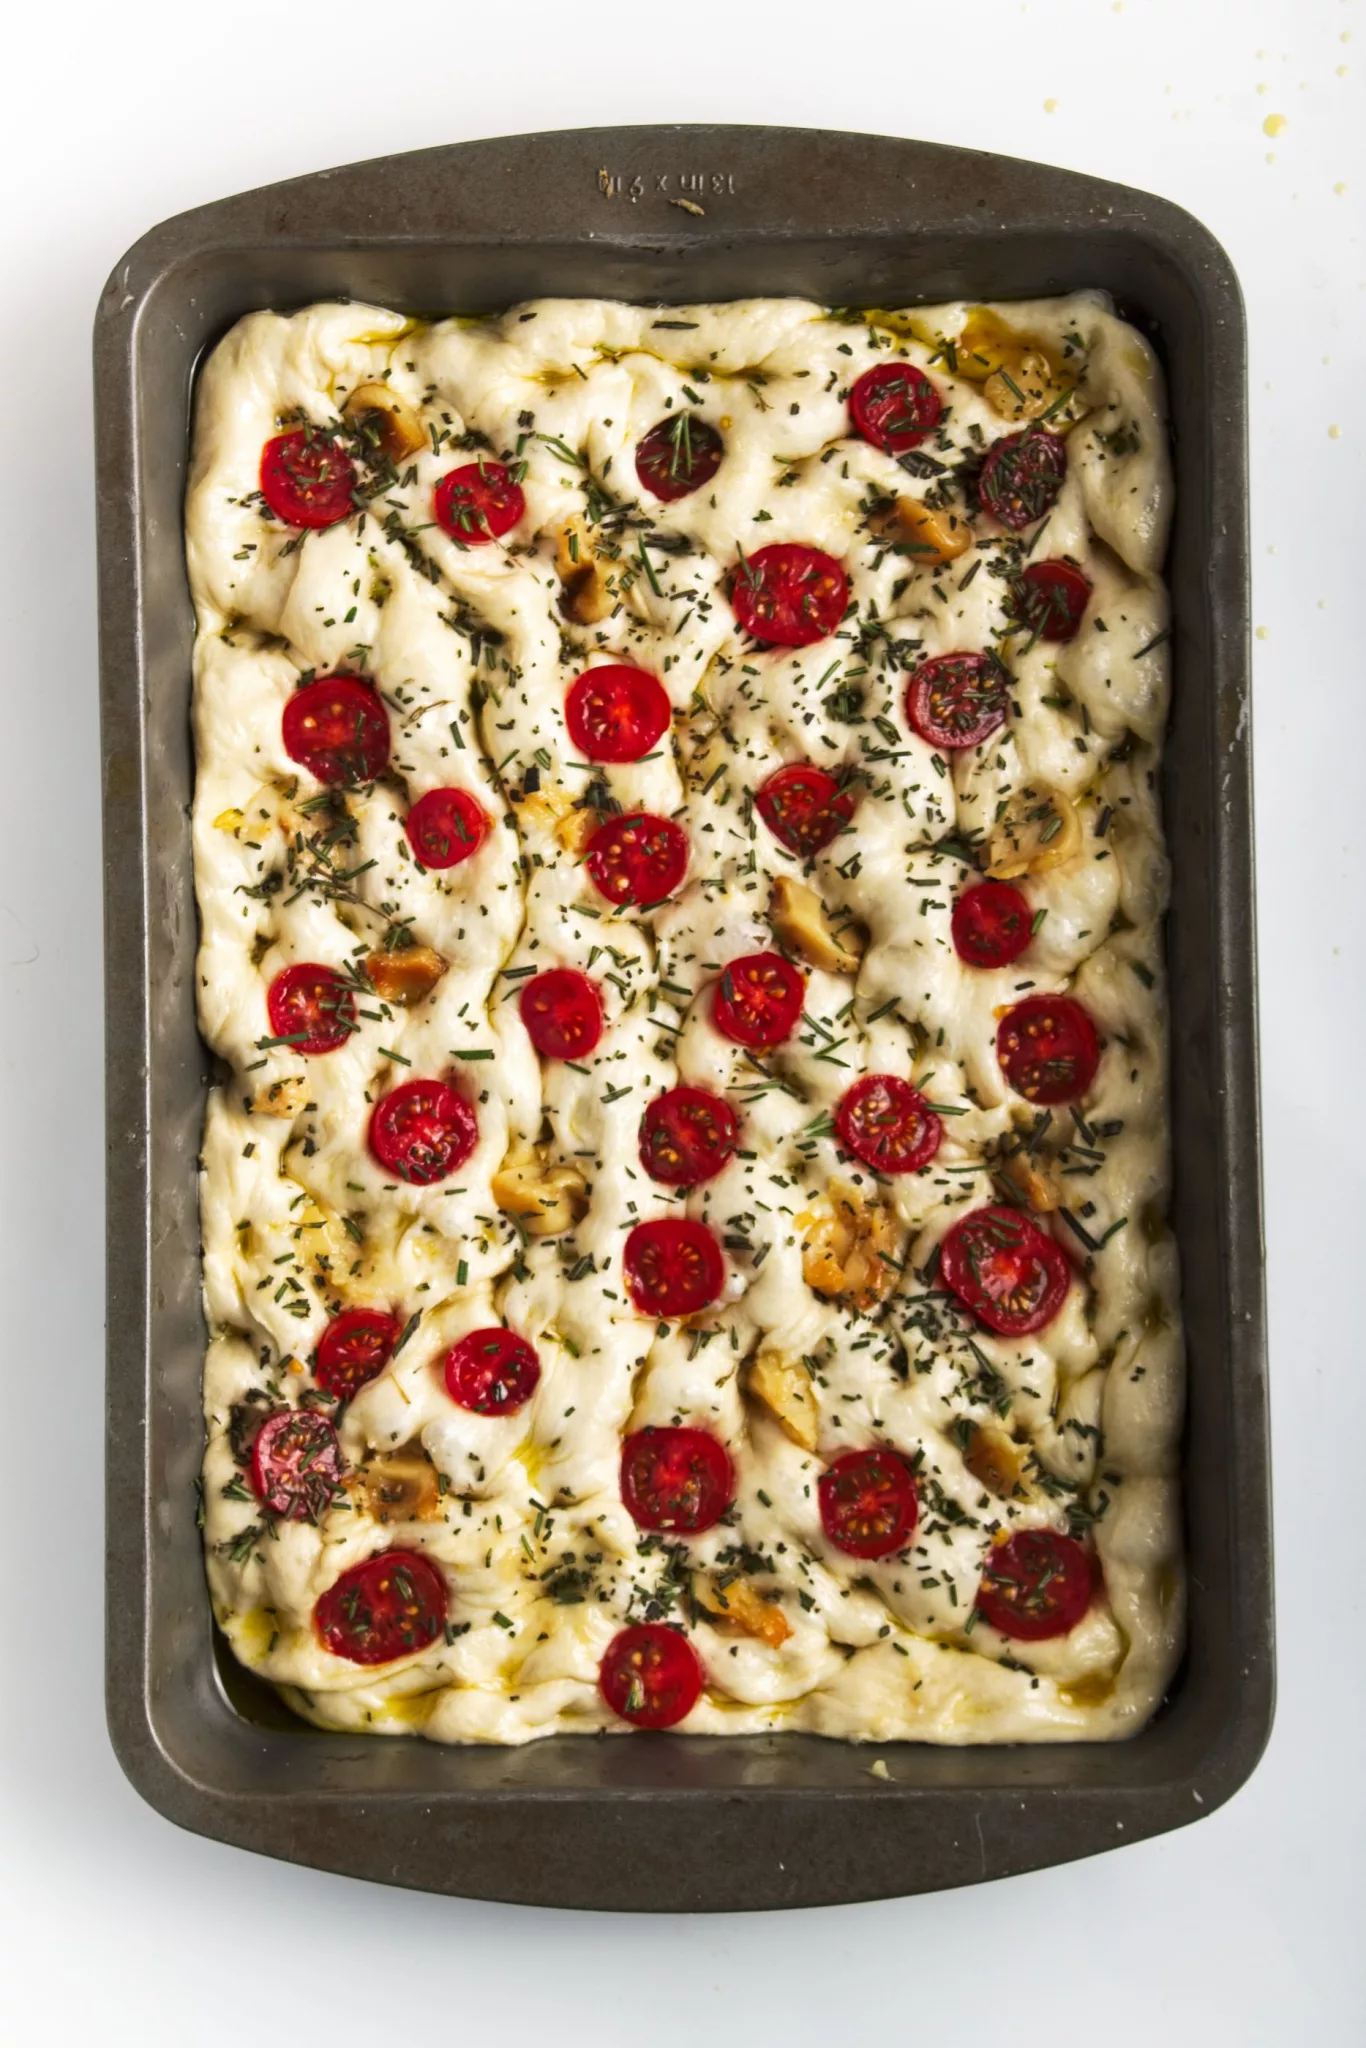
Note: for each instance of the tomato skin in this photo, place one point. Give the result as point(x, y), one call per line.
point(389, 1606)
point(1036, 1585)
point(680, 454)
point(353, 1349)
point(1022, 476)
point(888, 1124)
point(422, 1131)
point(650, 1675)
point(614, 712)
point(492, 1372)
point(789, 595)
point(895, 406)
point(758, 1000)
point(1050, 598)
point(958, 700)
point(1048, 1049)
point(1011, 1274)
point(868, 1501)
point(478, 503)
point(804, 807)
point(672, 1267)
point(637, 858)
point(562, 1012)
point(686, 1136)
point(992, 925)
point(311, 1006)
point(678, 1479)
point(306, 479)
point(445, 826)
point(296, 1464)
point(338, 729)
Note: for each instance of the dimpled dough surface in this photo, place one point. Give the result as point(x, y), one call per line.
point(472, 654)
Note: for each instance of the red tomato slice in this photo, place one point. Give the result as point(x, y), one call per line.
point(354, 1348)
point(445, 826)
point(310, 1008)
point(423, 1131)
point(562, 1012)
point(1048, 1049)
point(686, 1136)
point(1035, 1585)
point(678, 456)
point(651, 1675)
point(1021, 477)
point(958, 700)
point(888, 1124)
point(869, 1505)
point(758, 1000)
point(478, 503)
point(337, 729)
point(672, 1267)
point(992, 925)
point(788, 595)
point(1011, 1275)
point(492, 1372)
point(616, 713)
point(1050, 598)
point(804, 807)
point(306, 479)
point(385, 1608)
point(296, 1464)
point(895, 406)
point(679, 1479)
point(638, 858)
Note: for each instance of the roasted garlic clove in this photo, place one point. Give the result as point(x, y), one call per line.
point(1038, 831)
point(587, 596)
point(802, 924)
point(997, 1462)
point(737, 1608)
point(784, 1386)
point(572, 827)
point(404, 977)
point(929, 537)
point(1034, 1184)
point(281, 1098)
point(401, 1487)
point(1022, 387)
point(547, 1199)
point(850, 1248)
point(380, 412)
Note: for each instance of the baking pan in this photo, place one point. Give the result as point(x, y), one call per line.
point(666, 1822)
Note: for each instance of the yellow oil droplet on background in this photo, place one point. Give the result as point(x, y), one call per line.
point(1050, 106)
point(1335, 433)
point(1339, 188)
point(1273, 124)
point(1263, 632)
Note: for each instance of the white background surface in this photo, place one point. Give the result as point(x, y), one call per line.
point(1244, 1930)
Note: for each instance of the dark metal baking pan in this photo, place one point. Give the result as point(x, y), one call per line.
point(665, 1822)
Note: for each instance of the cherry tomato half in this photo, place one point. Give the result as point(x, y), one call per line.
point(637, 858)
point(1048, 1049)
point(992, 924)
point(788, 595)
point(337, 729)
point(679, 1479)
point(1021, 477)
point(888, 1124)
point(478, 503)
point(958, 700)
point(1050, 598)
point(804, 807)
point(354, 1348)
point(492, 1372)
point(672, 1267)
point(869, 1505)
point(445, 826)
point(1035, 1585)
point(686, 1136)
point(616, 713)
point(562, 1012)
point(895, 406)
point(387, 1607)
point(296, 1464)
point(311, 1008)
point(678, 456)
point(651, 1675)
point(423, 1131)
point(758, 1000)
point(1010, 1273)
point(306, 479)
